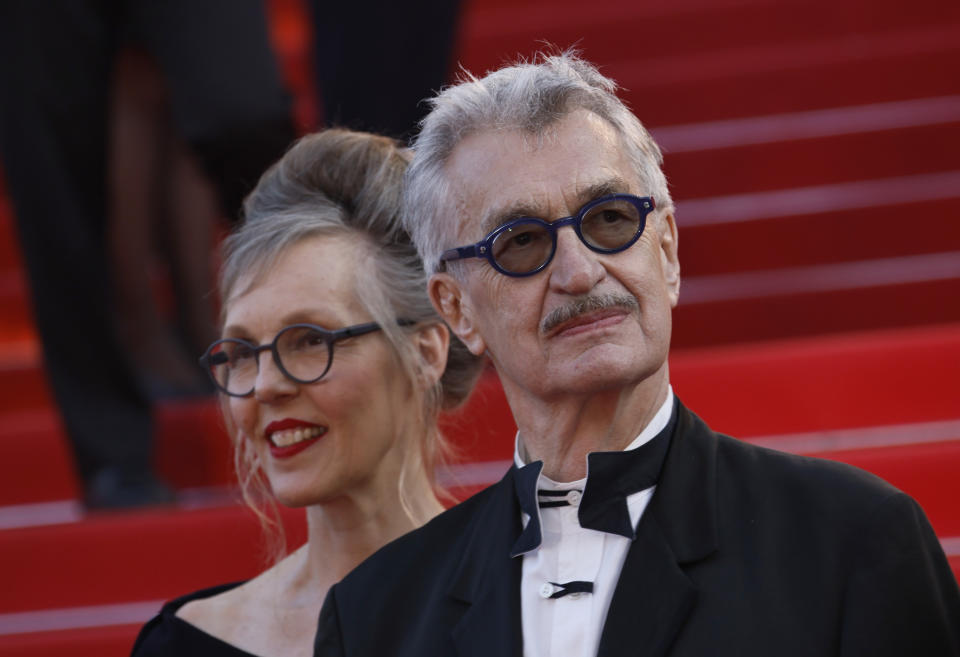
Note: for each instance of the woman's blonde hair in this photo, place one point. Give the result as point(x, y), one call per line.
point(344, 183)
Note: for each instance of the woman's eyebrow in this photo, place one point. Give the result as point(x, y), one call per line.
point(235, 331)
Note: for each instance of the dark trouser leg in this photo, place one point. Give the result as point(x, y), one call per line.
point(228, 98)
point(55, 58)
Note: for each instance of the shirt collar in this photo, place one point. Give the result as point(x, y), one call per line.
point(530, 479)
point(655, 426)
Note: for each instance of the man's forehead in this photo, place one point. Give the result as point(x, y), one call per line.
point(497, 175)
point(479, 209)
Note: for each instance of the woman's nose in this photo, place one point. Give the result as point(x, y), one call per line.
point(271, 383)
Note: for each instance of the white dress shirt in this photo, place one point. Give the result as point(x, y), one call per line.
point(570, 626)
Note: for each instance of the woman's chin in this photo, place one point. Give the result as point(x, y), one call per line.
point(297, 497)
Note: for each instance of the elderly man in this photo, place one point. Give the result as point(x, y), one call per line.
point(626, 526)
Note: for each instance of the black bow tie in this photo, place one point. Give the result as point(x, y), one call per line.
point(612, 476)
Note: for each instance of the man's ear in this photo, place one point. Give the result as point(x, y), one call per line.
point(669, 258)
point(433, 341)
point(448, 298)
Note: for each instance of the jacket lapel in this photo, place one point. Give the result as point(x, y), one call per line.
point(488, 582)
point(654, 596)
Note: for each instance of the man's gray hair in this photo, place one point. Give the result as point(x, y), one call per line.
point(530, 96)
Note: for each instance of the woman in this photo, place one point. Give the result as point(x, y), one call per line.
point(333, 366)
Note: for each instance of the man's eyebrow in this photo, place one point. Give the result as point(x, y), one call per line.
point(603, 188)
point(498, 216)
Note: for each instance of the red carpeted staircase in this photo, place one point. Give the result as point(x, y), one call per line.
point(812, 149)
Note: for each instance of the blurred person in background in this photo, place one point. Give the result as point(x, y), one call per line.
point(56, 65)
point(163, 213)
point(333, 368)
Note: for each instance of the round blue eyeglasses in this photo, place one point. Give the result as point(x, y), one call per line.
point(525, 246)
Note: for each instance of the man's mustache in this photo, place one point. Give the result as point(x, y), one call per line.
point(587, 304)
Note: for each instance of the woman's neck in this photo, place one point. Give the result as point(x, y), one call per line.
point(344, 532)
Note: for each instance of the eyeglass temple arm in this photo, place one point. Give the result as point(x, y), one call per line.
point(360, 329)
point(370, 327)
point(472, 251)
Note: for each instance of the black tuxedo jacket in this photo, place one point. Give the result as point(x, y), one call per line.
point(742, 551)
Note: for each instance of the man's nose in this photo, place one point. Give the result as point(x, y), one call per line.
point(575, 268)
point(271, 383)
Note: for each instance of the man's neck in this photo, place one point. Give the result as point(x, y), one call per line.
point(562, 432)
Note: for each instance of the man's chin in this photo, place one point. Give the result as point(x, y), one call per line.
point(597, 376)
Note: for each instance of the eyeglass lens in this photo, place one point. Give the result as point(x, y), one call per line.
point(528, 245)
point(304, 354)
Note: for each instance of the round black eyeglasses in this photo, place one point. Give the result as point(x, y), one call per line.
point(525, 246)
point(303, 352)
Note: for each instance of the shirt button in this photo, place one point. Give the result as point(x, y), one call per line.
point(546, 590)
point(573, 497)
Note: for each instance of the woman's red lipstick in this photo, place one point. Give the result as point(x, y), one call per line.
point(291, 425)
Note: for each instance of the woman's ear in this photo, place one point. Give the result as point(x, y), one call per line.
point(433, 341)
point(447, 297)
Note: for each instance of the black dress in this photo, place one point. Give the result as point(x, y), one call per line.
point(166, 634)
